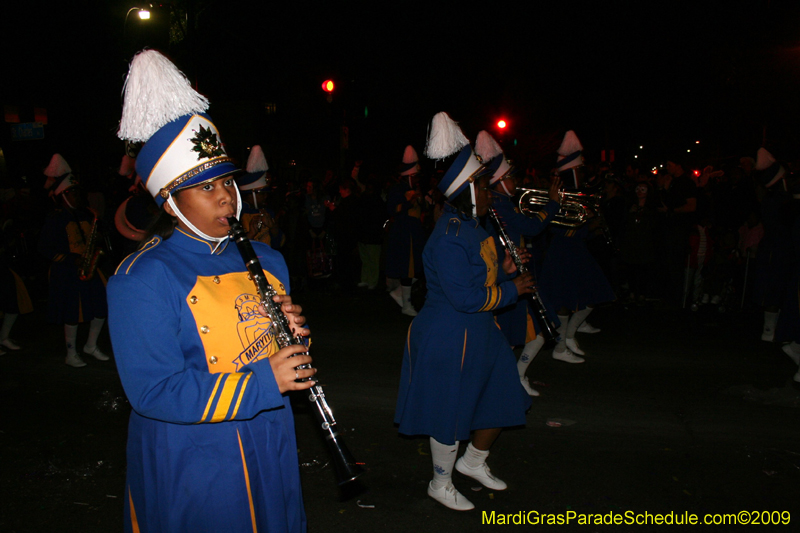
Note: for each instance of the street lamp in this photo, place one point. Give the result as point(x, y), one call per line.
point(144, 14)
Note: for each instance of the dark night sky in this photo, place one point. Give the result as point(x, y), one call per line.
point(620, 74)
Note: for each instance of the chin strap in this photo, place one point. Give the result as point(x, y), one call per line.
point(218, 240)
point(474, 202)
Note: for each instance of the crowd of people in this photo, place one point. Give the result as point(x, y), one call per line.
point(583, 235)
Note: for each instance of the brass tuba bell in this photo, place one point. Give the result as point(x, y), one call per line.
point(576, 207)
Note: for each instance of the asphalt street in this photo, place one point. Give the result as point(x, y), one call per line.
point(674, 413)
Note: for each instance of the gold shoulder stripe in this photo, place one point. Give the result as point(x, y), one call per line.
point(152, 243)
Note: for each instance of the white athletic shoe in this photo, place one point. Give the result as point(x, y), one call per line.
point(450, 497)
point(567, 356)
point(96, 353)
point(572, 345)
point(587, 328)
point(527, 386)
point(482, 474)
point(409, 310)
point(74, 360)
point(8, 343)
point(787, 349)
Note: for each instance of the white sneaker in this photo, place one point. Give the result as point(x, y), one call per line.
point(8, 343)
point(362, 284)
point(716, 300)
point(481, 474)
point(794, 356)
point(397, 295)
point(768, 335)
point(74, 360)
point(409, 310)
point(527, 386)
point(96, 353)
point(568, 357)
point(450, 497)
point(587, 328)
point(572, 345)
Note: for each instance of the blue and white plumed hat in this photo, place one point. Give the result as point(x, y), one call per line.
point(410, 164)
point(256, 176)
point(492, 155)
point(769, 171)
point(182, 147)
point(447, 139)
point(59, 176)
point(570, 153)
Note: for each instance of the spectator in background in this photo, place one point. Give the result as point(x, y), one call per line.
point(677, 199)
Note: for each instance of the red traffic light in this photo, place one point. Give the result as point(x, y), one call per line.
point(327, 86)
point(502, 124)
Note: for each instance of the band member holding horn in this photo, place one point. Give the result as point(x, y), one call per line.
point(70, 240)
point(257, 218)
point(458, 377)
point(517, 321)
point(211, 441)
point(571, 278)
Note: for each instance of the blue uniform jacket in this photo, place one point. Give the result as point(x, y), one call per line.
point(458, 372)
point(211, 444)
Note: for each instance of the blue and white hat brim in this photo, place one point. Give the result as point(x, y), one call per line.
point(772, 174)
point(252, 181)
point(170, 159)
point(575, 159)
point(67, 182)
point(499, 168)
point(457, 177)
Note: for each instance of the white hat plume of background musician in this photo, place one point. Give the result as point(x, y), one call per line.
point(59, 176)
point(493, 158)
point(255, 177)
point(445, 140)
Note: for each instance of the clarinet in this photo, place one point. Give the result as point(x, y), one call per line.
point(345, 466)
point(549, 329)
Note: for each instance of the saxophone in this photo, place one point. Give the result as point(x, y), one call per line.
point(91, 255)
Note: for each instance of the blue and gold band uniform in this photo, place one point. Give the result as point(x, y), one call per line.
point(458, 372)
point(571, 277)
point(63, 241)
point(406, 238)
point(192, 353)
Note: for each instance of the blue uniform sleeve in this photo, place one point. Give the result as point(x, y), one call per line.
point(461, 282)
point(145, 323)
point(519, 224)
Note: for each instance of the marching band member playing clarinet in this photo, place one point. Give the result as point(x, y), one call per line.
point(517, 321)
point(458, 376)
point(211, 440)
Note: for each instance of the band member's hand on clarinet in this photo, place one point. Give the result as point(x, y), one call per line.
point(284, 367)
point(292, 312)
point(524, 283)
point(509, 266)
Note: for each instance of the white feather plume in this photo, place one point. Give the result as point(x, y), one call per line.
point(256, 162)
point(764, 159)
point(410, 155)
point(570, 144)
point(156, 93)
point(446, 138)
point(486, 147)
point(58, 167)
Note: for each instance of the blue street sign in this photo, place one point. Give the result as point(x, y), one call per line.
point(28, 131)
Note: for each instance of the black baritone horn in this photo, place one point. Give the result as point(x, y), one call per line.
point(344, 465)
point(549, 329)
